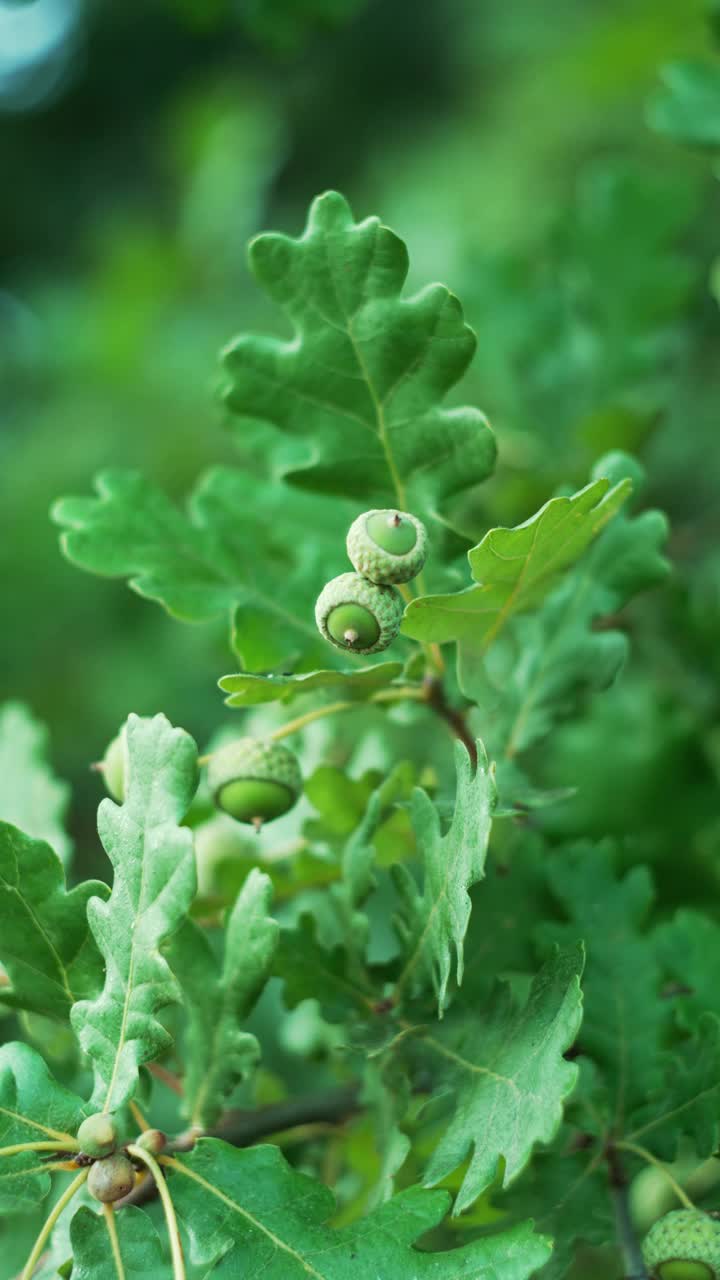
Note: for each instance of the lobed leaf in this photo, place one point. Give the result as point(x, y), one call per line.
point(505, 1073)
point(46, 947)
point(247, 690)
point(201, 564)
point(31, 797)
point(264, 1216)
point(153, 887)
point(362, 381)
point(141, 1249)
point(514, 569)
point(432, 921)
point(545, 662)
point(33, 1108)
point(218, 1054)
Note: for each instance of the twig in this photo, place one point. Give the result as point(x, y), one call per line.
point(166, 1077)
point(627, 1239)
point(650, 1159)
point(435, 697)
point(243, 1128)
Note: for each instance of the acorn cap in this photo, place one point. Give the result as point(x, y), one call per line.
point(357, 615)
point(387, 546)
point(684, 1245)
point(254, 780)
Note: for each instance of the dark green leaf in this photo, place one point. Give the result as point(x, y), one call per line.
point(141, 1249)
point(269, 1218)
point(247, 690)
point(505, 1075)
point(33, 1108)
point(365, 375)
point(46, 946)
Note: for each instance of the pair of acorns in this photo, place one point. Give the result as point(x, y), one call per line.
point(256, 781)
point(362, 611)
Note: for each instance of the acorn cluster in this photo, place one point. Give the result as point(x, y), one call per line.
point(361, 612)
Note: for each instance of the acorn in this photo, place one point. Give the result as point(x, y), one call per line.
point(684, 1245)
point(114, 766)
point(357, 615)
point(387, 546)
point(98, 1135)
point(111, 1179)
point(254, 781)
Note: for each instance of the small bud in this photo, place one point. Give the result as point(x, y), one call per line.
point(152, 1140)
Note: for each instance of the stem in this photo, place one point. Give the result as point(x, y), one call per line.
point(39, 1146)
point(110, 1223)
point(633, 1261)
point(52, 1218)
point(435, 696)
point(403, 694)
point(161, 1073)
point(178, 1262)
point(657, 1164)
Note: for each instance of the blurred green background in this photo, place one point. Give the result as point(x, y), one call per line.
point(508, 143)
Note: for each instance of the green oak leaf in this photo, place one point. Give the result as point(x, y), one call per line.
point(33, 1108)
point(363, 378)
point(268, 1218)
point(141, 1248)
point(200, 564)
point(31, 797)
point(246, 689)
point(311, 971)
point(545, 661)
point(432, 921)
point(218, 1054)
point(688, 951)
point(153, 887)
point(688, 1101)
point(625, 1024)
point(565, 1191)
point(46, 948)
point(505, 1073)
point(514, 569)
point(688, 106)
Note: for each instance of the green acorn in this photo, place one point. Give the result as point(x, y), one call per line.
point(684, 1245)
point(358, 615)
point(98, 1135)
point(152, 1140)
point(254, 781)
point(114, 766)
point(387, 546)
point(111, 1179)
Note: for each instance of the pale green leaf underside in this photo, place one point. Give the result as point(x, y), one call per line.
point(153, 887)
point(33, 1108)
point(247, 690)
point(31, 797)
point(46, 948)
point(507, 1077)
point(200, 564)
point(218, 1053)
point(515, 568)
point(270, 1220)
point(363, 379)
point(432, 923)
